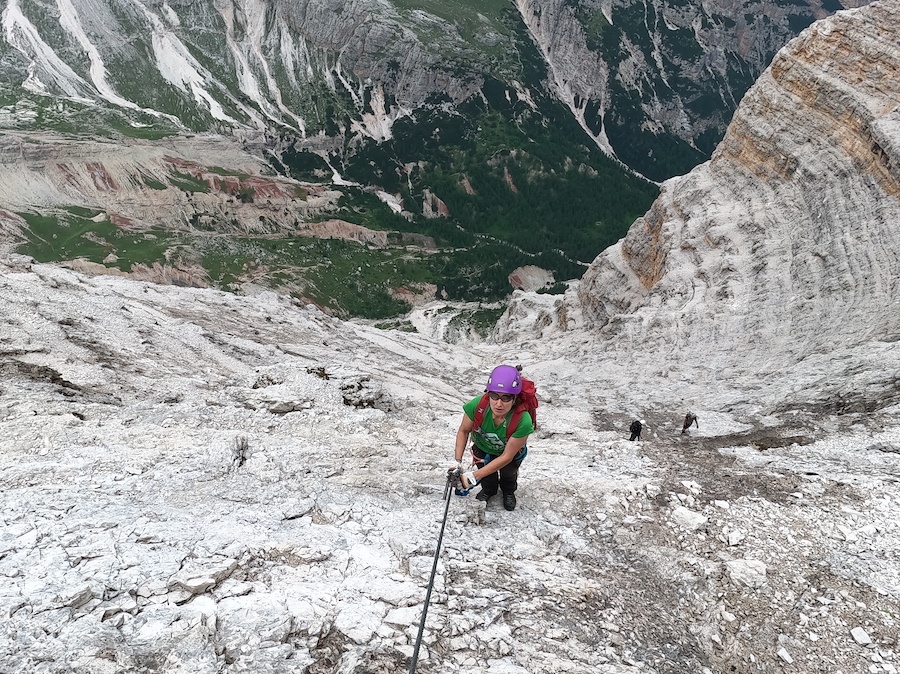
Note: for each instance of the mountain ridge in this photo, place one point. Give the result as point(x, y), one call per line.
point(288, 64)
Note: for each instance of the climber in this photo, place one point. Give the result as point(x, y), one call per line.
point(636, 427)
point(689, 418)
point(498, 441)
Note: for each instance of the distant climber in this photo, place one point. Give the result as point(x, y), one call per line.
point(689, 419)
point(636, 427)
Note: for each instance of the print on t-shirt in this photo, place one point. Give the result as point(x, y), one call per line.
point(496, 442)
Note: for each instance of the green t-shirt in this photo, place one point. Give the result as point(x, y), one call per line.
point(491, 438)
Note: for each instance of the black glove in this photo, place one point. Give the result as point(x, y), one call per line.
point(454, 477)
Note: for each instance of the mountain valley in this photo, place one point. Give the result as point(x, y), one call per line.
point(505, 134)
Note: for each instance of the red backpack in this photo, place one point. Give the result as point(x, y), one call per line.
point(528, 402)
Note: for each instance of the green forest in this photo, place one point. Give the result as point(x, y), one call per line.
point(522, 183)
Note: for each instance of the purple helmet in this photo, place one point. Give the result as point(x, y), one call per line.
point(504, 379)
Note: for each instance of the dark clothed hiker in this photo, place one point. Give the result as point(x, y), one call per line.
point(636, 427)
point(689, 418)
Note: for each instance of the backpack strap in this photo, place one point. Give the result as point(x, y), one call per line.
point(514, 420)
point(480, 411)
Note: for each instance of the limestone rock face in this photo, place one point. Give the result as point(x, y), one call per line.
point(785, 243)
point(579, 75)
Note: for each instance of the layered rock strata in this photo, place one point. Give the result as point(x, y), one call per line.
point(206, 180)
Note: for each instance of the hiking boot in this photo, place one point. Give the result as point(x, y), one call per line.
point(484, 496)
point(509, 501)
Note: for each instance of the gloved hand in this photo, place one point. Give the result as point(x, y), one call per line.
point(456, 465)
point(453, 475)
point(468, 479)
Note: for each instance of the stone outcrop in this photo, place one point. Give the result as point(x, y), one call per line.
point(433, 206)
point(339, 229)
point(785, 243)
point(415, 294)
point(530, 277)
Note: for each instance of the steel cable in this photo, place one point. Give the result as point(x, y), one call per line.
point(437, 552)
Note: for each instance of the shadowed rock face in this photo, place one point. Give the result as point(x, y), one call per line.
point(787, 238)
point(683, 66)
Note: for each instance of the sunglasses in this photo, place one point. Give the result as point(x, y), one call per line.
point(502, 397)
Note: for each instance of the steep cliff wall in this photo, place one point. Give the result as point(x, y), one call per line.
point(785, 244)
point(656, 82)
point(578, 75)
